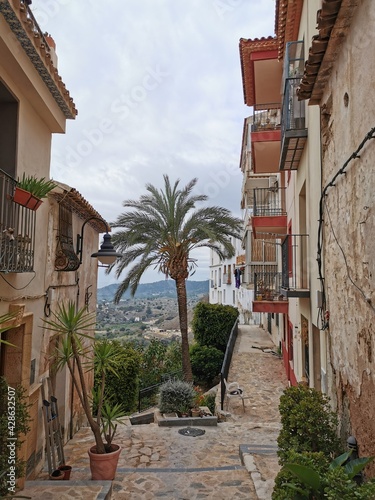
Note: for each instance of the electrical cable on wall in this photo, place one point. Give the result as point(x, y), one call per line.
point(15, 288)
point(324, 319)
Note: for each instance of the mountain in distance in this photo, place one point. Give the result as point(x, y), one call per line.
point(165, 288)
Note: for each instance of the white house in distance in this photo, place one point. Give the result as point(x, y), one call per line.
point(226, 277)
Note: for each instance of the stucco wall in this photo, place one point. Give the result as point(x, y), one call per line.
point(349, 112)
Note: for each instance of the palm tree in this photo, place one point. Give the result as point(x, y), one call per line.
point(161, 230)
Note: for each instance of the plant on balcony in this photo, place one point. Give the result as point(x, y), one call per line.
point(79, 352)
point(30, 191)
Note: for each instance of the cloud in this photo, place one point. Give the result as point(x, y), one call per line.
point(158, 89)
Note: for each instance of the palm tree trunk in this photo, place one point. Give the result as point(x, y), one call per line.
point(182, 312)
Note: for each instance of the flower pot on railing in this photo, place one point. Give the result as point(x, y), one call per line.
point(26, 199)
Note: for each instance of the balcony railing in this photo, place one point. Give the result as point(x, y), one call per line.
point(269, 202)
point(295, 277)
point(227, 279)
point(267, 286)
point(17, 231)
point(293, 114)
point(267, 118)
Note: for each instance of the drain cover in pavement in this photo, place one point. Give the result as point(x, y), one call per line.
point(190, 431)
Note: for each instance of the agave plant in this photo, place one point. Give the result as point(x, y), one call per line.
point(37, 187)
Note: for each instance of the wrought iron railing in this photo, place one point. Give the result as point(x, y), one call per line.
point(294, 253)
point(269, 202)
point(34, 24)
point(267, 286)
point(268, 117)
point(293, 114)
point(17, 230)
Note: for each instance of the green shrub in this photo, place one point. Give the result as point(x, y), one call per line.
point(176, 396)
point(206, 363)
point(159, 359)
point(318, 461)
point(21, 423)
point(308, 423)
point(122, 387)
point(212, 324)
point(209, 401)
point(310, 475)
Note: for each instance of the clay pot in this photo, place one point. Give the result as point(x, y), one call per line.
point(104, 465)
point(66, 469)
point(57, 475)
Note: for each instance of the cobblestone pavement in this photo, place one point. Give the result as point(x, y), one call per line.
point(159, 462)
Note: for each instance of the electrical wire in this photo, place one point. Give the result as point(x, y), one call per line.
point(355, 155)
point(15, 288)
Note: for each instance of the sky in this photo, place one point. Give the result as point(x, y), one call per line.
point(158, 88)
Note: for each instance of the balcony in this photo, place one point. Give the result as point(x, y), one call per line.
point(295, 277)
point(227, 279)
point(17, 231)
point(269, 218)
point(267, 293)
point(293, 126)
point(266, 138)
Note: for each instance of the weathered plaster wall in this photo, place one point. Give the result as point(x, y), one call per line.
point(348, 115)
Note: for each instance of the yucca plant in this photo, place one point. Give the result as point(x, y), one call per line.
point(37, 187)
point(77, 347)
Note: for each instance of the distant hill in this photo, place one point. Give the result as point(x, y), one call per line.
point(165, 288)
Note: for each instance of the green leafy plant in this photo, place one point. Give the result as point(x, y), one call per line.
point(335, 481)
point(121, 387)
point(21, 427)
point(176, 396)
point(308, 423)
point(206, 362)
point(212, 324)
point(79, 352)
point(39, 187)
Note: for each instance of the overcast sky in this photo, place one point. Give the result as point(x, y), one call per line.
point(158, 88)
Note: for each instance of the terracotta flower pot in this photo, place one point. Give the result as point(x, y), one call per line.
point(26, 199)
point(104, 465)
point(66, 469)
point(57, 475)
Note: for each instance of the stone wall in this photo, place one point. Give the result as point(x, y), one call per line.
point(349, 230)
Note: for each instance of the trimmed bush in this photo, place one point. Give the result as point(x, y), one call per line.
point(176, 396)
point(205, 362)
point(212, 324)
point(308, 423)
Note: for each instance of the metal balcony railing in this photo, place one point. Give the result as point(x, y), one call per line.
point(33, 23)
point(294, 250)
point(267, 286)
point(268, 117)
point(17, 230)
point(293, 113)
point(269, 202)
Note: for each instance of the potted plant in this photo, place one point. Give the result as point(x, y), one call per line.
point(30, 190)
point(79, 352)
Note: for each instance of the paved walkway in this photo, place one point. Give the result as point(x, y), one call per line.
point(235, 460)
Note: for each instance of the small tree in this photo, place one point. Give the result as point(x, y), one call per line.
point(77, 347)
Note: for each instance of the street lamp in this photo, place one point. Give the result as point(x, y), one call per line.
point(107, 255)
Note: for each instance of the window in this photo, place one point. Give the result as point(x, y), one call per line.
point(66, 258)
